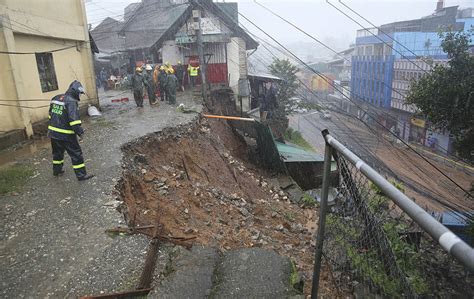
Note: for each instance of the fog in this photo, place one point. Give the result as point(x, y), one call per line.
point(316, 17)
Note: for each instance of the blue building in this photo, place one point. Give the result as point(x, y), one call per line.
point(384, 65)
point(372, 65)
point(371, 79)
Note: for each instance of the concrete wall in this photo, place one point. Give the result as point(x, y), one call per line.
point(10, 115)
point(171, 52)
point(237, 67)
point(41, 26)
point(233, 63)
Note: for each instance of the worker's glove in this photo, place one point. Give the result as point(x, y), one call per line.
point(79, 137)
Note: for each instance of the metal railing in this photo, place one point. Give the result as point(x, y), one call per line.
point(370, 235)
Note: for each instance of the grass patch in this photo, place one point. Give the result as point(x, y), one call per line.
point(289, 216)
point(295, 137)
point(308, 201)
point(13, 178)
point(295, 280)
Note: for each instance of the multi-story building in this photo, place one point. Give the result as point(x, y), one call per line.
point(389, 58)
point(54, 39)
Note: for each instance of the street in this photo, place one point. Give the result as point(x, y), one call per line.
point(52, 234)
point(423, 183)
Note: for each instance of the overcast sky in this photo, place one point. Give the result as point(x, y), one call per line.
point(315, 16)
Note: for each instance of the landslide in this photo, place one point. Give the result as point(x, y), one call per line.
point(196, 184)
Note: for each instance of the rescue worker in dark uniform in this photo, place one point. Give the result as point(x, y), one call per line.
point(150, 85)
point(180, 75)
point(171, 86)
point(271, 99)
point(137, 86)
point(64, 128)
point(163, 79)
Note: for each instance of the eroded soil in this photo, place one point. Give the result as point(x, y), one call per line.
point(195, 184)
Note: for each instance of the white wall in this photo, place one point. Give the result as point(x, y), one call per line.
point(233, 63)
point(171, 53)
point(237, 67)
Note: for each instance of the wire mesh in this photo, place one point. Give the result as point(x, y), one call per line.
point(372, 249)
point(360, 236)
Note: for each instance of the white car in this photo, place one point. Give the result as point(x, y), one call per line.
point(301, 110)
point(325, 115)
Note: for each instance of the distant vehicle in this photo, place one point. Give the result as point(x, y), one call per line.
point(325, 115)
point(301, 110)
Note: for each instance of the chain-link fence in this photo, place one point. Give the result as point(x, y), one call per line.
point(375, 242)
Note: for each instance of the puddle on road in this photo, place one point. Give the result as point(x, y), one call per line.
point(16, 153)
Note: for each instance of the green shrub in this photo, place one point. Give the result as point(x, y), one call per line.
point(308, 201)
point(295, 137)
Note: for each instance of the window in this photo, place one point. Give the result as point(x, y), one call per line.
point(46, 71)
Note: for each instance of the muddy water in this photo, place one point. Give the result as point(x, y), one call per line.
point(16, 154)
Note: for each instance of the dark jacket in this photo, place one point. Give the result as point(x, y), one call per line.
point(180, 72)
point(163, 79)
point(172, 82)
point(148, 80)
point(64, 119)
point(138, 82)
point(270, 98)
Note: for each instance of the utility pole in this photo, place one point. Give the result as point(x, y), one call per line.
point(200, 47)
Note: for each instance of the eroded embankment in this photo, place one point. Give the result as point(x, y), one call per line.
point(195, 184)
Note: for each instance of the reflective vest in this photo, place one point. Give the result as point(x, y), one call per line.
point(64, 122)
point(193, 71)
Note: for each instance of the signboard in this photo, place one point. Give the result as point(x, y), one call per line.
point(418, 122)
point(206, 38)
point(185, 39)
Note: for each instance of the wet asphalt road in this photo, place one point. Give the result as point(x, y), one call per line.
point(52, 239)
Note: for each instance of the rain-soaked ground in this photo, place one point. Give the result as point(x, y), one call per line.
point(52, 239)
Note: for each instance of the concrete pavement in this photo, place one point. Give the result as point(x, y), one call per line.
point(52, 238)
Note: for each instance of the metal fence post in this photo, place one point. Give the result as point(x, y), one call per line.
point(322, 218)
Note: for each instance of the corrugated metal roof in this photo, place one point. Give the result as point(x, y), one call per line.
point(291, 153)
point(149, 24)
point(264, 76)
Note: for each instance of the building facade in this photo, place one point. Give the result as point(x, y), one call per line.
point(389, 58)
point(58, 51)
point(169, 36)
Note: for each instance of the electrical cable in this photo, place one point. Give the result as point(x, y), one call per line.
point(380, 30)
point(334, 51)
point(376, 36)
point(29, 53)
point(406, 144)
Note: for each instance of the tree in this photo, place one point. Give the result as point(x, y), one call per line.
point(285, 70)
point(446, 94)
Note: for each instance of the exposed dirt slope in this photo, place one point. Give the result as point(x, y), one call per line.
point(189, 183)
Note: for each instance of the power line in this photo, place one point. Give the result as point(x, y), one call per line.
point(345, 59)
point(330, 83)
point(26, 107)
point(142, 6)
point(29, 53)
point(323, 44)
point(380, 30)
point(375, 35)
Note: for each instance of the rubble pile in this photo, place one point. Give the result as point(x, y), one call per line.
point(191, 183)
